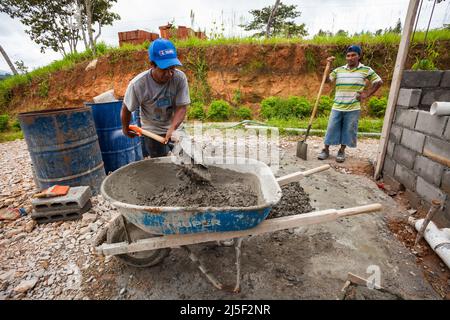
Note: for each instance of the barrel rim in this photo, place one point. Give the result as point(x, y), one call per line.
point(90, 104)
point(52, 111)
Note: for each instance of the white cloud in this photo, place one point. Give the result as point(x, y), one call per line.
point(147, 15)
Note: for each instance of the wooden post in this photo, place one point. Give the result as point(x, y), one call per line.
point(395, 84)
point(8, 61)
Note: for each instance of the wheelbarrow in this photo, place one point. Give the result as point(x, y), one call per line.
point(142, 236)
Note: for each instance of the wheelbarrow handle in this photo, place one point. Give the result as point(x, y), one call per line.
point(299, 174)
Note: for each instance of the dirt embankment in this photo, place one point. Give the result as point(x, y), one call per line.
point(245, 73)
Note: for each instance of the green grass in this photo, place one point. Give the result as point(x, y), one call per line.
point(388, 38)
point(372, 125)
point(10, 135)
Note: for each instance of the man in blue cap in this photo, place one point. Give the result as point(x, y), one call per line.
point(162, 93)
point(350, 91)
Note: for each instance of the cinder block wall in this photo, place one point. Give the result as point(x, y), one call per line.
point(418, 150)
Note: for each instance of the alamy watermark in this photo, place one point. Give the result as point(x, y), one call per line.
point(234, 146)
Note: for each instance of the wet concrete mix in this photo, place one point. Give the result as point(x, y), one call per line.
point(171, 186)
point(239, 190)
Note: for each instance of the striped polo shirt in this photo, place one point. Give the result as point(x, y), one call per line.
point(348, 83)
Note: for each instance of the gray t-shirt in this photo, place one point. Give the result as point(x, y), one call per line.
point(157, 101)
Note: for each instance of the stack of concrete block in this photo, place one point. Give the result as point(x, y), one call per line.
point(418, 151)
point(421, 88)
point(69, 207)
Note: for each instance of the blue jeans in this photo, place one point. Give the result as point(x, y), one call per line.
point(342, 128)
point(155, 148)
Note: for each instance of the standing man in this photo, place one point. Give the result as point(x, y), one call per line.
point(163, 95)
point(350, 91)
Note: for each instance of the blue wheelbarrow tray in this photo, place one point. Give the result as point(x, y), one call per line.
point(186, 220)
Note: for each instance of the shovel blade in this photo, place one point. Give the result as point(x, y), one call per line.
point(302, 150)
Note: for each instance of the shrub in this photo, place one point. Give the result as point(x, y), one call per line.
point(377, 106)
point(244, 113)
point(274, 107)
point(325, 105)
point(268, 107)
point(298, 107)
point(196, 111)
point(4, 118)
point(16, 125)
point(219, 110)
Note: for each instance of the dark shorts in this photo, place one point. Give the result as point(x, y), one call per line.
point(156, 149)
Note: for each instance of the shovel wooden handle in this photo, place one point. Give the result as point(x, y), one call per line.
point(147, 133)
point(324, 78)
point(297, 175)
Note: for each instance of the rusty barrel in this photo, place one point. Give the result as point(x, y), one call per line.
point(64, 148)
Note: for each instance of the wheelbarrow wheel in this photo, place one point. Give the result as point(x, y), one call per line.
point(116, 233)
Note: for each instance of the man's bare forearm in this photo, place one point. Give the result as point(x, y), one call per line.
point(125, 116)
point(178, 117)
point(375, 87)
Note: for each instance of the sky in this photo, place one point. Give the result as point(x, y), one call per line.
point(332, 15)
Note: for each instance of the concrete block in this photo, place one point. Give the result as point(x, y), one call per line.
point(413, 140)
point(421, 79)
point(409, 97)
point(60, 215)
point(404, 156)
point(445, 182)
point(76, 198)
point(447, 130)
point(396, 133)
point(406, 118)
point(431, 95)
point(429, 170)
point(437, 147)
point(389, 166)
point(390, 148)
point(445, 82)
point(429, 124)
point(428, 191)
point(405, 176)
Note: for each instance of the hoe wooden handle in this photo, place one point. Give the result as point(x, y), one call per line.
point(147, 133)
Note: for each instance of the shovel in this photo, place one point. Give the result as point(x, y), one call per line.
point(302, 146)
point(183, 150)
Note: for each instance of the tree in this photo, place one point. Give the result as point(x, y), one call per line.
point(94, 11)
point(322, 33)
point(272, 15)
point(21, 66)
point(57, 25)
point(280, 24)
point(342, 33)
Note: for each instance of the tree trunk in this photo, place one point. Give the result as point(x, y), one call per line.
point(272, 15)
point(13, 69)
point(80, 25)
point(89, 25)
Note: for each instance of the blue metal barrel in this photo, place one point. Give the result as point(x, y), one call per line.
point(117, 149)
point(145, 152)
point(64, 147)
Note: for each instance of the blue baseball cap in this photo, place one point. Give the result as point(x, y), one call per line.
point(163, 53)
point(354, 48)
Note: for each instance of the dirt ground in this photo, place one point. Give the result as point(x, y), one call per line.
point(303, 263)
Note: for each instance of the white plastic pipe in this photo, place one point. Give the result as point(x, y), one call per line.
point(438, 239)
point(440, 108)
